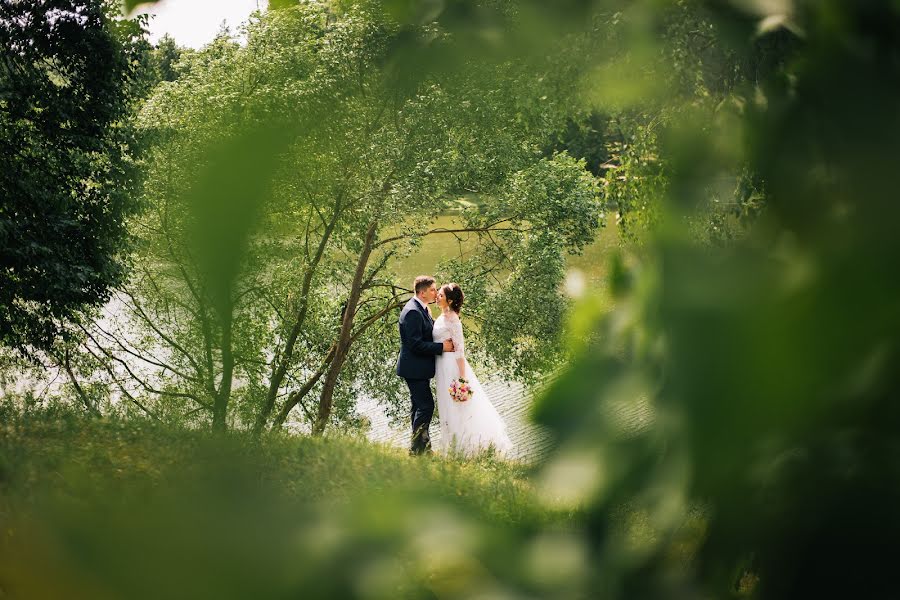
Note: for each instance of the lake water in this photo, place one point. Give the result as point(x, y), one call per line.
point(442, 246)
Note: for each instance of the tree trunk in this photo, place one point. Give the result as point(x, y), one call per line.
point(78, 389)
point(345, 338)
point(281, 365)
point(220, 407)
point(296, 397)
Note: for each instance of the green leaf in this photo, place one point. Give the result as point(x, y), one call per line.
point(129, 6)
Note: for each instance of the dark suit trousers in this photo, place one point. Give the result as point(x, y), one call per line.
point(422, 411)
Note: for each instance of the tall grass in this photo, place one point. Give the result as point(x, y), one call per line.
point(100, 509)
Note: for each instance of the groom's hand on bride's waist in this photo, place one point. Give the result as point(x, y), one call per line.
point(448, 346)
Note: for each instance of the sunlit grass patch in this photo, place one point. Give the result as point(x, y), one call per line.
point(111, 507)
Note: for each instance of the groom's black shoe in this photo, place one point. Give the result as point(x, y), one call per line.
point(421, 443)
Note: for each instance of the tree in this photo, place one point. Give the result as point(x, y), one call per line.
point(363, 165)
point(68, 80)
point(166, 55)
point(637, 97)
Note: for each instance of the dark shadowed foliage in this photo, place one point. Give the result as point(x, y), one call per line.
point(68, 79)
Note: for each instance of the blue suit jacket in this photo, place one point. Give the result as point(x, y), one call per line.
point(417, 346)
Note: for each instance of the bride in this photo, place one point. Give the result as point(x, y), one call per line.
point(472, 426)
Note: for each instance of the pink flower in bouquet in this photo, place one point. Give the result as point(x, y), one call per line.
point(460, 390)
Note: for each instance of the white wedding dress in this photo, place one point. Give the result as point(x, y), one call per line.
point(470, 427)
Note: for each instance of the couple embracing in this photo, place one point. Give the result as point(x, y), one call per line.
point(436, 349)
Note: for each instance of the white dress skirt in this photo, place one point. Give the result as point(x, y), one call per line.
point(471, 427)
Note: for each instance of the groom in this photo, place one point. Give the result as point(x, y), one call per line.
point(417, 358)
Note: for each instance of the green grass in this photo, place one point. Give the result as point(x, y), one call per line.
point(37, 453)
point(111, 509)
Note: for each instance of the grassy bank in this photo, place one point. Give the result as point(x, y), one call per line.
point(111, 509)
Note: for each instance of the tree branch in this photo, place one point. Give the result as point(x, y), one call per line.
point(78, 389)
point(485, 229)
point(146, 386)
point(295, 397)
point(150, 323)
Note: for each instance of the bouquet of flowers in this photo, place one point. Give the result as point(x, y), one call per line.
point(460, 390)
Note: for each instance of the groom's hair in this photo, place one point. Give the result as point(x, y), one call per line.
point(423, 282)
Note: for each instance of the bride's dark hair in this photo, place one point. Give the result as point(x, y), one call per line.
point(454, 295)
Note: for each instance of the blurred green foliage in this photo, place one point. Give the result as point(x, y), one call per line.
point(768, 364)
